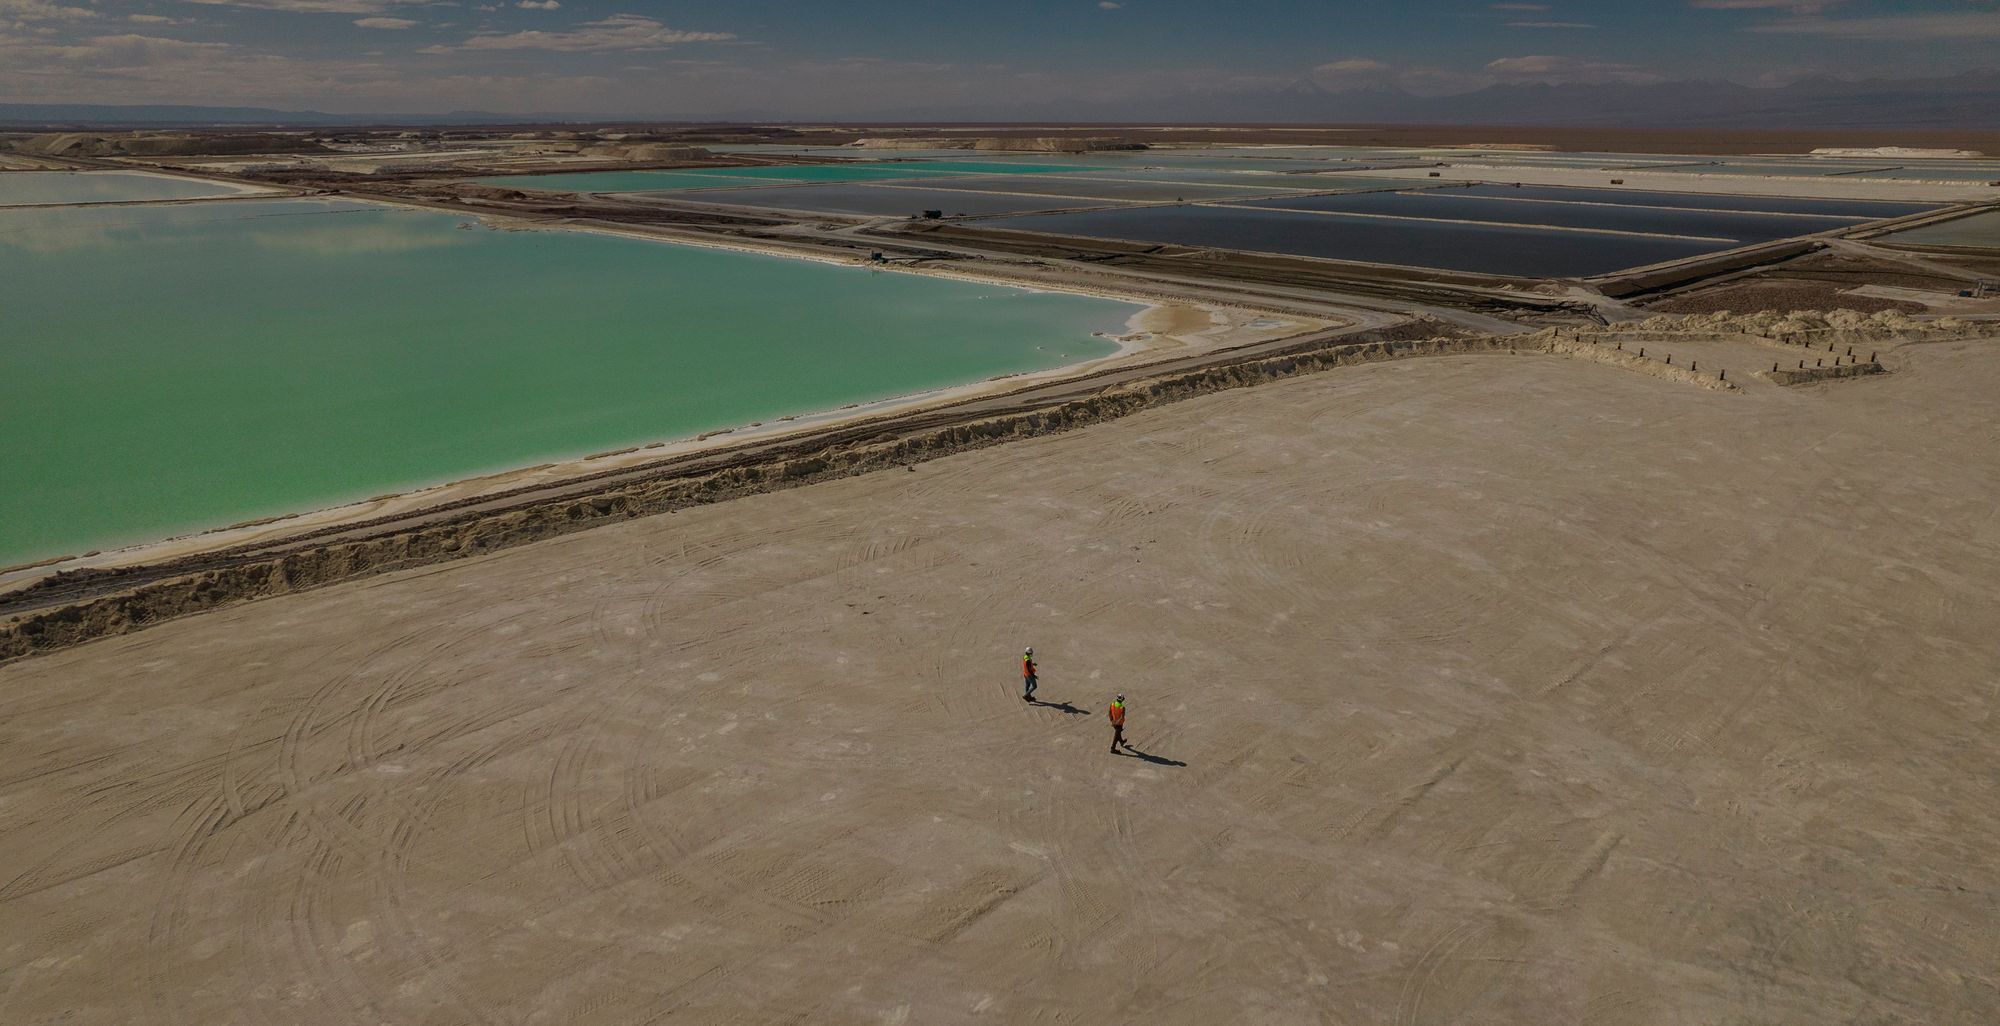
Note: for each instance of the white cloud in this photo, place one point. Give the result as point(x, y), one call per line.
point(95, 60)
point(151, 69)
point(149, 19)
point(314, 6)
point(1420, 80)
point(1795, 6)
point(539, 5)
point(385, 23)
point(1568, 70)
point(41, 10)
point(1352, 72)
point(1550, 25)
point(1108, 5)
point(1940, 27)
point(618, 32)
point(131, 51)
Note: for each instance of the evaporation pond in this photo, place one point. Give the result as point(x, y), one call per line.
point(173, 368)
point(1455, 205)
point(1081, 187)
point(888, 200)
point(1482, 248)
point(44, 188)
point(1702, 200)
point(1980, 231)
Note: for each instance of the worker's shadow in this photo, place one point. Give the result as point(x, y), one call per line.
point(1061, 707)
point(1154, 759)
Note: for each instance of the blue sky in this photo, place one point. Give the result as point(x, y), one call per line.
point(812, 58)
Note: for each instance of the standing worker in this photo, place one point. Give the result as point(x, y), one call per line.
point(1117, 723)
point(1028, 680)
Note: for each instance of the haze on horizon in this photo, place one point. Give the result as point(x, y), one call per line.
point(806, 59)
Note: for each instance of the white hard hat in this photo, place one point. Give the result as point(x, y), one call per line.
point(1030, 650)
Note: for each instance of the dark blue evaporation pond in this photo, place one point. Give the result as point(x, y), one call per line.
point(1526, 232)
point(1476, 248)
point(1454, 204)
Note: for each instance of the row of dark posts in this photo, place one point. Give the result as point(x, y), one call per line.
point(1693, 368)
point(1821, 362)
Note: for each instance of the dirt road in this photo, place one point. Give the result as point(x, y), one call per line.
point(1498, 689)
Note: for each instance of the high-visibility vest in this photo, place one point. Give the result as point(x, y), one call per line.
point(1027, 666)
point(1117, 714)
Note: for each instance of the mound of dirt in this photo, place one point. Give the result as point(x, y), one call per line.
point(645, 151)
point(64, 144)
point(78, 144)
point(1028, 144)
point(1816, 326)
point(911, 144)
point(489, 192)
point(1048, 144)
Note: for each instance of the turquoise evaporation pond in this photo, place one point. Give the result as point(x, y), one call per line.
point(178, 367)
point(728, 177)
point(40, 188)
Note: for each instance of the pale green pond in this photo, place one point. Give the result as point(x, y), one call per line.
point(42, 188)
point(179, 367)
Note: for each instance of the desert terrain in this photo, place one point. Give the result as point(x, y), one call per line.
point(1465, 689)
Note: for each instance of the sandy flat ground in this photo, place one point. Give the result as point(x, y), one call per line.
point(1467, 690)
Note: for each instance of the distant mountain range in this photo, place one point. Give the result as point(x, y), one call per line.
point(68, 115)
point(1960, 102)
point(1970, 101)
point(88, 115)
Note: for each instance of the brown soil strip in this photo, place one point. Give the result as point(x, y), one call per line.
point(1779, 295)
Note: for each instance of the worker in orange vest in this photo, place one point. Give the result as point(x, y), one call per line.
point(1117, 723)
point(1028, 677)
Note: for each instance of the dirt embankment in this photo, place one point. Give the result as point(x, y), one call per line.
point(1595, 348)
point(164, 144)
point(1811, 375)
point(1805, 346)
point(1829, 329)
point(637, 151)
point(318, 565)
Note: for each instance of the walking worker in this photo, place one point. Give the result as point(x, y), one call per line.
point(1028, 679)
point(1117, 723)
